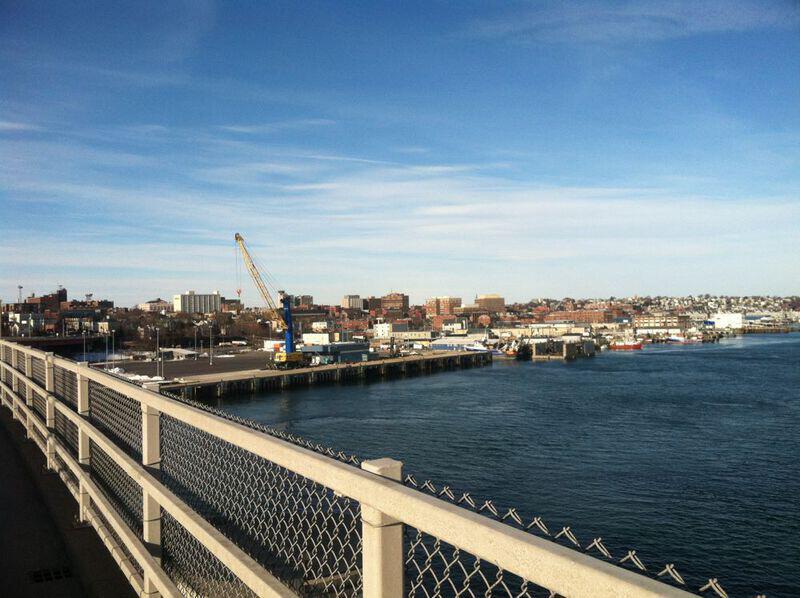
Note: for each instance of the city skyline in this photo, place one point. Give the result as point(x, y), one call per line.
point(528, 150)
point(467, 300)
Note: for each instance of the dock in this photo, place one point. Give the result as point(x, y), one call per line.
point(261, 380)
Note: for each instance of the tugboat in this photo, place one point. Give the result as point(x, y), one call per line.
point(627, 344)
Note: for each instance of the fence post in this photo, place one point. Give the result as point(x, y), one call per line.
point(14, 373)
point(49, 373)
point(50, 422)
point(151, 509)
point(28, 362)
point(382, 538)
point(28, 392)
point(84, 502)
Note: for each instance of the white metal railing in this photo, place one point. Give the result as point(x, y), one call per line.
point(386, 505)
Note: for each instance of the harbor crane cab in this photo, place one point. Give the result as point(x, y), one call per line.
point(280, 316)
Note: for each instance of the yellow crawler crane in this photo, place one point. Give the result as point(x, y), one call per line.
point(288, 358)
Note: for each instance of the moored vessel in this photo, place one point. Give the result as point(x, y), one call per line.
point(625, 345)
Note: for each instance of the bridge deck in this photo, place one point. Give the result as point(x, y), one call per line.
point(43, 554)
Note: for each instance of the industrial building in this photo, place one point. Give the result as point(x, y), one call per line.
point(193, 303)
point(346, 352)
point(728, 321)
point(657, 323)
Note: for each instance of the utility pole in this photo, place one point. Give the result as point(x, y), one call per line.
point(83, 331)
point(210, 343)
point(195, 343)
point(113, 336)
point(105, 366)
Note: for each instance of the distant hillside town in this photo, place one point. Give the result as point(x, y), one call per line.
point(441, 320)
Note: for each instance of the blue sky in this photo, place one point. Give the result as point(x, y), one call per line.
point(529, 148)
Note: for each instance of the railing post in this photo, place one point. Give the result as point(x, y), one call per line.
point(49, 373)
point(84, 456)
point(50, 422)
point(15, 380)
point(382, 539)
point(28, 400)
point(151, 509)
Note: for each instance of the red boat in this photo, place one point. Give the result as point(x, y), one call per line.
point(625, 346)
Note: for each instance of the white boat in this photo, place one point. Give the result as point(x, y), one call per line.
point(478, 347)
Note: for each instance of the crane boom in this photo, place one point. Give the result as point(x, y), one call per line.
point(258, 281)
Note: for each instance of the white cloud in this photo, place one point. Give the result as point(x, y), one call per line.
point(329, 223)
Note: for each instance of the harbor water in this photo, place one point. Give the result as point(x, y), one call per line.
point(688, 454)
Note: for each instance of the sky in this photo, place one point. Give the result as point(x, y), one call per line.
point(530, 149)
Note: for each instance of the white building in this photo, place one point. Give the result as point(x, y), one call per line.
point(388, 329)
point(192, 303)
point(728, 321)
point(316, 338)
point(352, 302)
point(156, 305)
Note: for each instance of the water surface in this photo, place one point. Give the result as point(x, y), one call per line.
point(689, 454)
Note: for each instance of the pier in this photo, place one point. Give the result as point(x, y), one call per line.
point(561, 350)
point(260, 380)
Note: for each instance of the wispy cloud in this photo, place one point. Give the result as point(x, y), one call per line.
point(273, 127)
point(7, 125)
point(647, 20)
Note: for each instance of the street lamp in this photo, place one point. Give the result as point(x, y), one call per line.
point(210, 343)
point(113, 337)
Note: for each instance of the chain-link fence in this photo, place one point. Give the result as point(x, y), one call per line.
point(117, 540)
point(435, 565)
point(65, 386)
point(118, 487)
point(38, 371)
point(193, 568)
point(19, 361)
point(300, 531)
point(67, 432)
point(40, 405)
point(117, 416)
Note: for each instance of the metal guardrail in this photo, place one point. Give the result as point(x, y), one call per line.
point(192, 502)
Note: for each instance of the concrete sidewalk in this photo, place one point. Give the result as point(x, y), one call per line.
point(43, 554)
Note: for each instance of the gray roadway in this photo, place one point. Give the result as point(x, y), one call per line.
point(43, 554)
point(253, 360)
